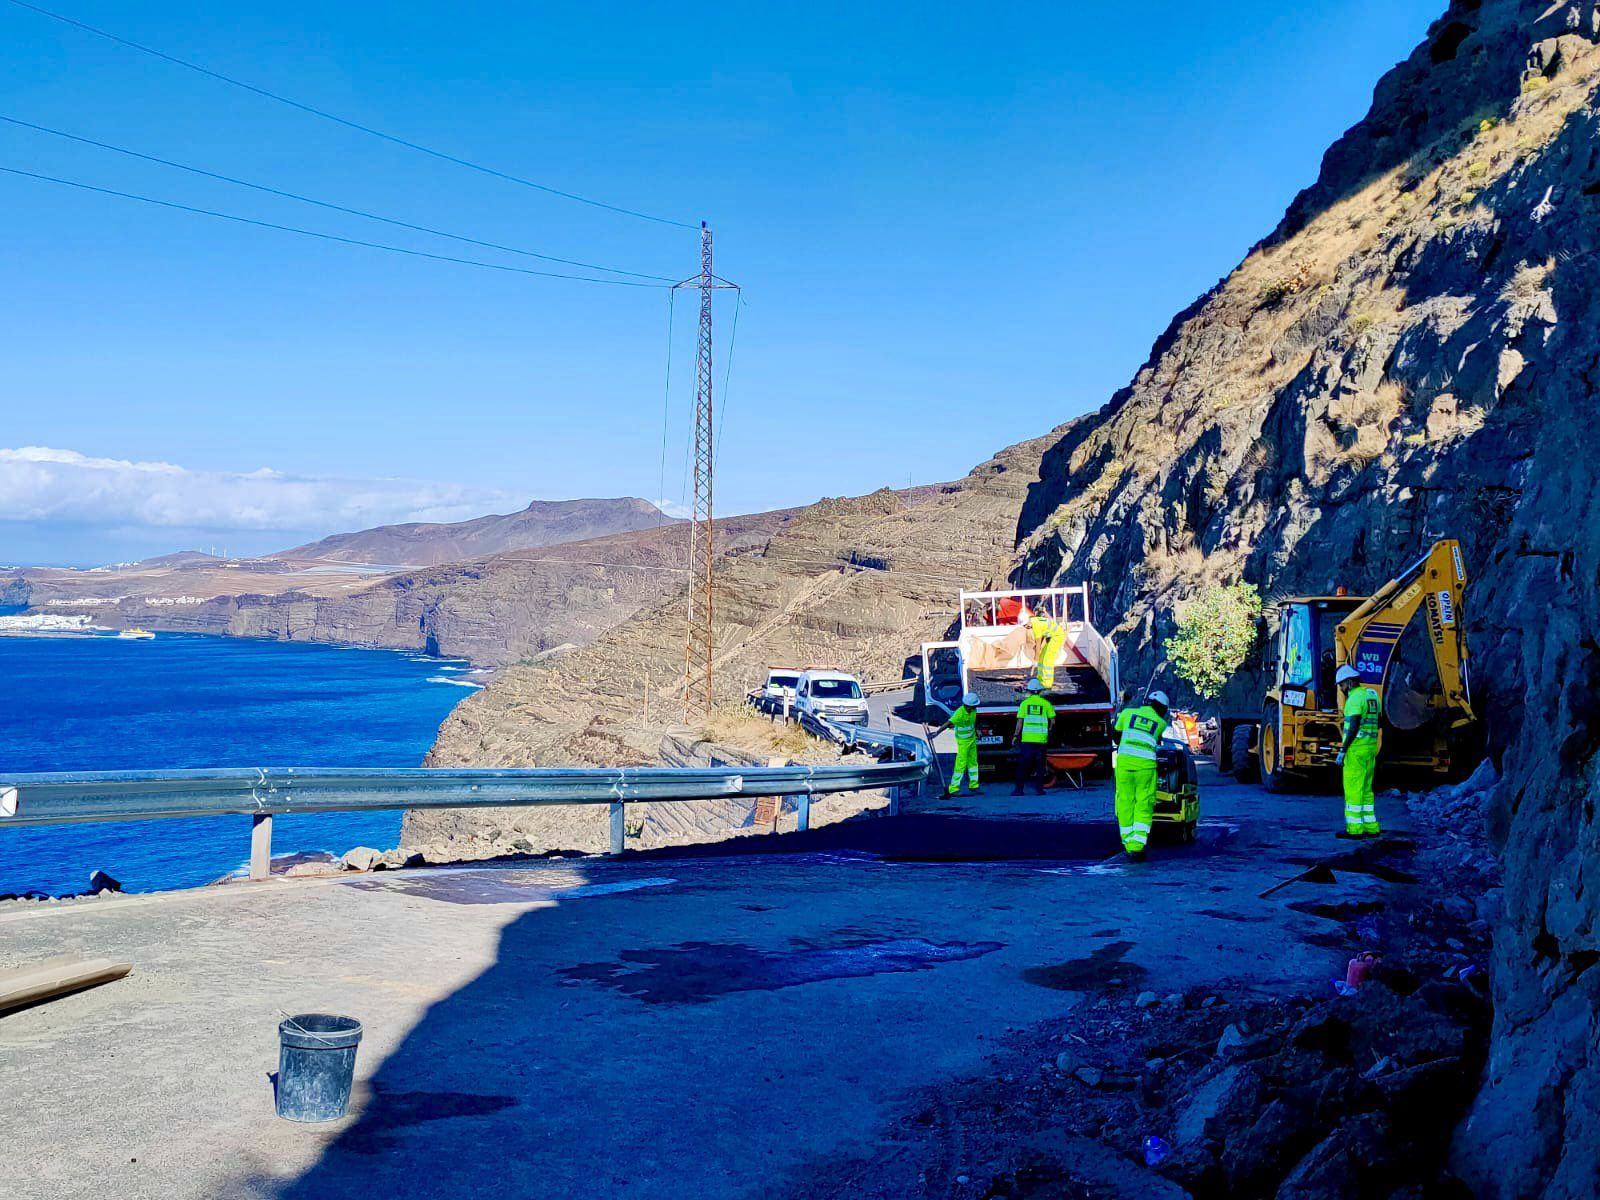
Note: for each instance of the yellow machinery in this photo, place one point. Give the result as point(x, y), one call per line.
point(1428, 720)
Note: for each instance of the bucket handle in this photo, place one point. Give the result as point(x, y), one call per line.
point(301, 1029)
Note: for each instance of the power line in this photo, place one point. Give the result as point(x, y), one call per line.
point(327, 237)
point(345, 121)
point(727, 370)
point(354, 212)
point(666, 405)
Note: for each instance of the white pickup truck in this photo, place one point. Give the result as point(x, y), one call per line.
point(997, 651)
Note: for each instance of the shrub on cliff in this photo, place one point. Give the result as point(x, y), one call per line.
point(1216, 632)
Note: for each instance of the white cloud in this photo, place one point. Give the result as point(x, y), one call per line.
point(674, 508)
point(63, 487)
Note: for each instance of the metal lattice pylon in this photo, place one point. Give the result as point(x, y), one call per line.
point(699, 646)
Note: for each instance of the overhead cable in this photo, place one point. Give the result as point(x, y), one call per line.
point(354, 212)
point(445, 156)
point(327, 237)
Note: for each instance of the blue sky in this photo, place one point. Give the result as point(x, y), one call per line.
point(955, 227)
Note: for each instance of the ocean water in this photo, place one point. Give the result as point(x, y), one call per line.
point(104, 703)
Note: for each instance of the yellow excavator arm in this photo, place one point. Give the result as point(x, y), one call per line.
point(1435, 584)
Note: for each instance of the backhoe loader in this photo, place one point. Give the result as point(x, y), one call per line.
point(1419, 669)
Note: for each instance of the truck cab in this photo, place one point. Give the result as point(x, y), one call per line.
point(831, 695)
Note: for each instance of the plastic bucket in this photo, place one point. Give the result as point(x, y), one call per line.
point(316, 1066)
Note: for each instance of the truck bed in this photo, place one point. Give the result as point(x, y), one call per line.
point(1074, 685)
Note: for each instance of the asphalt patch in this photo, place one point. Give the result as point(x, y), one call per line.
point(698, 972)
point(1071, 836)
point(1101, 968)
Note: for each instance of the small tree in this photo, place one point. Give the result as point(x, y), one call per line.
point(1216, 632)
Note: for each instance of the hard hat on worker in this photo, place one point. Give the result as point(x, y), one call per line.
point(1347, 674)
point(1035, 686)
point(1159, 698)
point(970, 699)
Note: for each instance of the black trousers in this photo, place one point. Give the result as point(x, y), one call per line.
point(1030, 767)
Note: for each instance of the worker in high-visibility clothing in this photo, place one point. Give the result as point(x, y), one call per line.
point(1031, 736)
point(1048, 636)
point(1136, 770)
point(1358, 756)
point(964, 723)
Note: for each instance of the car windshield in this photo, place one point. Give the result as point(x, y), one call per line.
point(782, 681)
point(836, 689)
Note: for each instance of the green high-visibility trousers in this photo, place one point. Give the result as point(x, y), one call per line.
point(1136, 801)
point(966, 764)
point(1360, 765)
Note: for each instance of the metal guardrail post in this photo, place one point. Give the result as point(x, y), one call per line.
point(803, 811)
point(619, 828)
point(260, 845)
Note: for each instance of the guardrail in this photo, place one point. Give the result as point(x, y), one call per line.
point(64, 797)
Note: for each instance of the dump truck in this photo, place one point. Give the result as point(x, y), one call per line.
point(1004, 639)
point(1418, 668)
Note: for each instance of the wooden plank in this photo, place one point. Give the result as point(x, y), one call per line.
point(56, 977)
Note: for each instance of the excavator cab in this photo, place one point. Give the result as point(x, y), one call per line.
point(1407, 640)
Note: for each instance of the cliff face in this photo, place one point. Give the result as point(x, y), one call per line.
point(542, 523)
point(1413, 354)
point(496, 610)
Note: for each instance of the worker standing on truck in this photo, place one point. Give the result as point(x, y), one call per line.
point(1359, 754)
point(964, 721)
point(1136, 770)
point(1048, 634)
point(1031, 736)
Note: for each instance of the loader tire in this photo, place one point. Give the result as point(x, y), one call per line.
point(1245, 767)
point(1269, 753)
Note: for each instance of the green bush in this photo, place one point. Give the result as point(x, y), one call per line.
point(1216, 633)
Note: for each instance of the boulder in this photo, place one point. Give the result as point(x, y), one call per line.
point(362, 858)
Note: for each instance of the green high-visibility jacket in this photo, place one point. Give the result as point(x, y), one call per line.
point(964, 724)
point(1363, 706)
point(1035, 714)
point(1141, 730)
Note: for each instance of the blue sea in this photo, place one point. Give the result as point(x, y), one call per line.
point(104, 704)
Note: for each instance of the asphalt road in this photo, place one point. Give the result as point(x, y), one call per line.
point(716, 1024)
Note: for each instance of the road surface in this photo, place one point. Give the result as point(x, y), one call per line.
point(715, 1023)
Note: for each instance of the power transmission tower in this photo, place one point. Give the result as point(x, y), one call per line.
point(698, 646)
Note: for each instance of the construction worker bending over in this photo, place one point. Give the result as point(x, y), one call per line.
point(964, 721)
point(1048, 635)
point(1031, 737)
point(1359, 754)
point(1136, 770)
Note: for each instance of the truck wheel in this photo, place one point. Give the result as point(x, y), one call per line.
point(1271, 753)
point(1240, 758)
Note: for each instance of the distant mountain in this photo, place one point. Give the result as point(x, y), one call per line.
point(542, 523)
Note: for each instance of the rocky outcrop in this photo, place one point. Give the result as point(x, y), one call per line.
point(1414, 353)
point(542, 523)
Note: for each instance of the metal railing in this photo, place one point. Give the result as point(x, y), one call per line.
point(65, 797)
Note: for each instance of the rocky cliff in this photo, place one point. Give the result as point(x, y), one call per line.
point(1414, 353)
point(496, 610)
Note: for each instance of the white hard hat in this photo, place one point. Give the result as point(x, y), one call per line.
point(1035, 686)
point(1347, 673)
point(970, 699)
point(1158, 698)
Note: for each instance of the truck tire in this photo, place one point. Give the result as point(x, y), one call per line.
point(1269, 755)
point(1240, 756)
